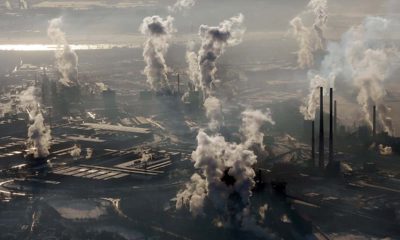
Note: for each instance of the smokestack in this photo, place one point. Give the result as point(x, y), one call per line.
point(321, 128)
point(335, 119)
point(330, 125)
point(374, 122)
point(313, 143)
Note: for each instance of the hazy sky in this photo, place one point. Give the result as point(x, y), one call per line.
point(101, 18)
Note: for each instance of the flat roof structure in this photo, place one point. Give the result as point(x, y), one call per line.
point(116, 128)
point(102, 173)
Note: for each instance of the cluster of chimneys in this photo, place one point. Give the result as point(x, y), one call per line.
point(332, 122)
point(332, 130)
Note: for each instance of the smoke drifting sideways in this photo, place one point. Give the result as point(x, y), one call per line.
point(214, 41)
point(158, 33)
point(365, 58)
point(66, 58)
point(310, 39)
point(225, 176)
point(39, 135)
point(181, 6)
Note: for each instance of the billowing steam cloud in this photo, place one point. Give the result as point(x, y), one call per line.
point(39, 135)
point(364, 58)
point(67, 60)
point(312, 38)
point(158, 34)
point(193, 195)
point(368, 62)
point(214, 41)
point(182, 5)
point(216, 159)
point(252, 121)
point(213, 109)
point(225, 176)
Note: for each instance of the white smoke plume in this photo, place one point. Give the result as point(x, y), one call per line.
point(214, 113)
point(364, 58)
point(181, 6)
point(320, 10)
point(304, 38)
point(252, 121)
point(311, 103)
point(76, 152)
point(214, 41)
point(192, 59)
point(225, 171)
point(193, 195)
point(368, 62)
point(312, 38)
point(214, 158)
point(158, 33)
point(39, 135)
point(66, 58)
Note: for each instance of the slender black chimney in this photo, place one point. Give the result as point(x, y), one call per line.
point(330, 125)
point(374, 122)
point(335, 119)
point(321, 128)
point(313, 143)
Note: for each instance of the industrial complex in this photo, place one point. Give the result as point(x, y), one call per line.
point(200, 138)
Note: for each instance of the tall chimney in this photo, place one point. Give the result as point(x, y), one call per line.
point(374, 122)
point(331, 125)
point(313, 143)
point(335, 119)
point(321, 129)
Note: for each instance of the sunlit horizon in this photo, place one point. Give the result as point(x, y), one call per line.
point(52, 47)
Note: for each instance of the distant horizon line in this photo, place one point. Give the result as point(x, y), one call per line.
point(53, 47)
